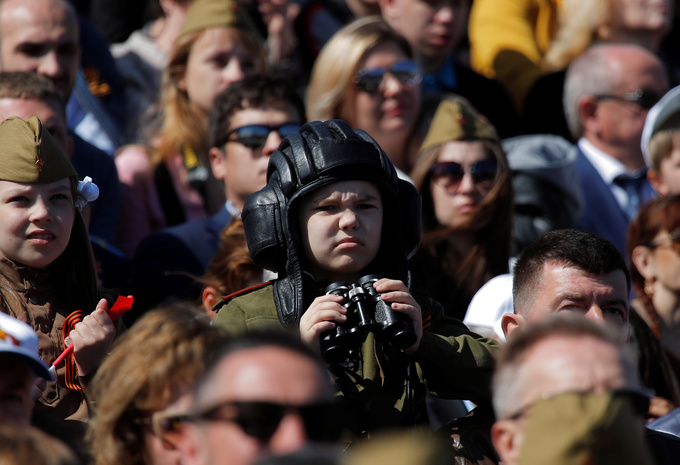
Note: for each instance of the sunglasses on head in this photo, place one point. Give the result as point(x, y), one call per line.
point(672, 239)
point(449, 174)
point(260, 420)
point(369, 80)
point(644, 98)
point(254, 136)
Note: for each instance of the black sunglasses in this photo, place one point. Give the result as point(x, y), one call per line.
point(369, 80)
point(449, 174)
point(644, 98)
point(254, 136)
point(260, 420)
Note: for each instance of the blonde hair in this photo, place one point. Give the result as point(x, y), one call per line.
point(334, 68)
point(167, 348)
point(181, 122)
point(581, 23)
point(23, 445)
point(663, 142)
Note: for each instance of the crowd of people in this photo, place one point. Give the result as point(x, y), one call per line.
point(355, 231)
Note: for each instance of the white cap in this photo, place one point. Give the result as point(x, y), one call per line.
point(17, 338)
point(489, 304)
point(664, 109)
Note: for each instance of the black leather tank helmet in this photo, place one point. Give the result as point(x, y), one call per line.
point(319, 154)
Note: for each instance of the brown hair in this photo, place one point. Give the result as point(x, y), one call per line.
point(166, 348)
point(662, 214)
point(663, 141)
point(24, 445)
point(231, 268)
point(491, 252)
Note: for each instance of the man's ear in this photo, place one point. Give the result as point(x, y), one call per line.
point(654, 178)
point(510, 322)
point(587, 113)
point(217, 163)
point(506, 438)
point(189, 450)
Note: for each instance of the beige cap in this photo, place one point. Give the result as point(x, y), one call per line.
point(203, 14)
point(29, 154)
point(455, 119)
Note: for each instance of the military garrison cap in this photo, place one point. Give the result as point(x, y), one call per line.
point(29, 154)
point(203, 14)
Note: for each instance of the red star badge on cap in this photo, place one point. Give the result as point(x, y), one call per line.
point(40, 162)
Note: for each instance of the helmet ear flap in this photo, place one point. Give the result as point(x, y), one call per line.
point(264, 228)
point(410, 204)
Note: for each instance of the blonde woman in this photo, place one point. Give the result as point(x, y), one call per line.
point(169, 182)
point(145, 384)
point(366, 76)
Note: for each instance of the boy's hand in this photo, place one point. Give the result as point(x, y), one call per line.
point(92, 339)
point(320, 317)
point(396, 294)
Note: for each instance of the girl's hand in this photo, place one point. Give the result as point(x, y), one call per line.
point(320, 317)
point(92, 339)
point(396, 294)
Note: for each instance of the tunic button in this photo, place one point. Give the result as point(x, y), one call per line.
point(35, 300)
point(44, 328)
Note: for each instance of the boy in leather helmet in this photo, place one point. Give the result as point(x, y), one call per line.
point(334, 210)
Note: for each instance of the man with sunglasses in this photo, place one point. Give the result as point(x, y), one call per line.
point(266, 393)
point(247, 122)
point(564, 392)
point(607, 93)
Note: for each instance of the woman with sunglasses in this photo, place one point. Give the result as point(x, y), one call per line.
point(366, 76)
point(142, 389)
point(170, 182)
point(463, 178)
point(654, 252)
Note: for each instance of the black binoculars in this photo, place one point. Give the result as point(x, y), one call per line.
point(366, 312)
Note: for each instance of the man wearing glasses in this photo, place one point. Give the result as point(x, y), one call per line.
point(247, 123)
point(607, 93)
point(563, 392)
point(264, 394)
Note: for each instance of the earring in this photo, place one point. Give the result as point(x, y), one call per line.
point(649, 286)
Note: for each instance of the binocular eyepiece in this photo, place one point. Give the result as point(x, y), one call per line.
point(366, 312)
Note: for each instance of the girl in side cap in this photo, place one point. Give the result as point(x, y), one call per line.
point(47, 270)
point(463, 177)
point(169, 182)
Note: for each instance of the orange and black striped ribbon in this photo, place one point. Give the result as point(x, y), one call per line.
point(70, 363)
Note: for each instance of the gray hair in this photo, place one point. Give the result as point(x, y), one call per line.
point(589, 74)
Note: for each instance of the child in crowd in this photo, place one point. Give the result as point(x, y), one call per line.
point(47, 273)
point(334, 211)
point(661, 144)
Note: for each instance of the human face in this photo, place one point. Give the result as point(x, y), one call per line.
point(668, 177)
point(664, 262)
point(217, 60)
point(244, 169)
point(50, 114)
point(601, 298)
point(40, 36)
point(157, 450)
point(455, 206)
point(432, 27)
point(617, 124)
point(16, 387)
point(267, 374)
point(341, 226)
point(392, 110)
point(35, 221)
point(632, 16)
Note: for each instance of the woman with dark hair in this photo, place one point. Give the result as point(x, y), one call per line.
point(463, 177)
point(654, 251)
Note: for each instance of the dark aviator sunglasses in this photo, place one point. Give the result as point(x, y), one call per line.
point(254, 136)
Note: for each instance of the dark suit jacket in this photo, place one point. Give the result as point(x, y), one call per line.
point(602, 214)
point(167, 262)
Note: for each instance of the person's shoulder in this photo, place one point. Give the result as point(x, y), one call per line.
point(253, 293)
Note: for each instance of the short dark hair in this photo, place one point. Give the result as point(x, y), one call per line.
point(572, 248)
point(30, 86)
point(251, 92)
point(254, 340)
